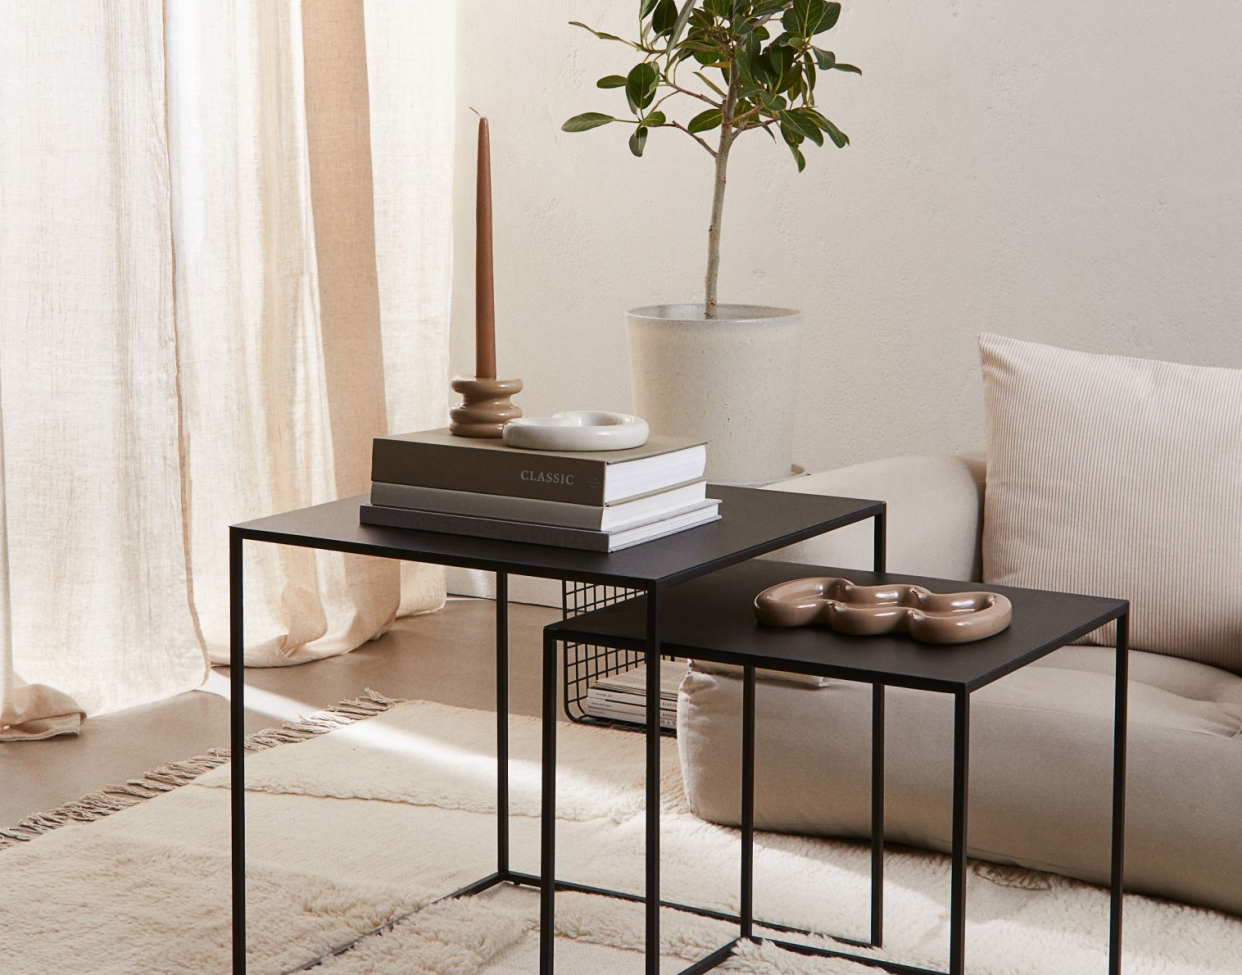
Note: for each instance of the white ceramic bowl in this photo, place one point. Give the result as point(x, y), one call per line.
point(584, 430)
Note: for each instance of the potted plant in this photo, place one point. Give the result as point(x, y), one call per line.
point(723, 372)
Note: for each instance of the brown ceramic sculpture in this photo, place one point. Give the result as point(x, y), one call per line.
point(485, 407)
point(955, 617)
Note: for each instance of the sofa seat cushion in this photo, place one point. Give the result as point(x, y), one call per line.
point(1041, 767)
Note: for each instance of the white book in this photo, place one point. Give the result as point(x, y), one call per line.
point(634, 680)
point(517, 531)
point(630, 697)
point(620, 707)
point(619, 516)
point(604, 710)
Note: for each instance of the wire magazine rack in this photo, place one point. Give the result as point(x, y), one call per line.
point(587, 663)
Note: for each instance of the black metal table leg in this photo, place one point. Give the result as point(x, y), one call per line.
point(748, 804)
point(237, 748)
point(1120, 719)
point(502, 723)
point(880, 549)
point(547, 823)
point(653, 782)
point(877, 815)
point(961, 775)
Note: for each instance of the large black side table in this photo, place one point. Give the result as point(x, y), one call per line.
point(754, 522)
point(712, 619)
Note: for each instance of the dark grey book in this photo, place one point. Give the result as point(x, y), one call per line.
point(608, 518)
point(437, 459)
point(519, 531)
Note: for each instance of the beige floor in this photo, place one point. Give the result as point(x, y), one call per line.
point(445, 656)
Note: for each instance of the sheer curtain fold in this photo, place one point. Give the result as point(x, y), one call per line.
point(199, 267)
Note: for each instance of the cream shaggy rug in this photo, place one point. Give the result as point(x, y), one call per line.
point(354, 833)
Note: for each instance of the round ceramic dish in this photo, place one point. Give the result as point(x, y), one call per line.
point(584, 430)
point(954, 617)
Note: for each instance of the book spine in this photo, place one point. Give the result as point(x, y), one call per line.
point(505, 531)
point(476, 505)
point(667, 719)
point(621, 697)
point(518, 473)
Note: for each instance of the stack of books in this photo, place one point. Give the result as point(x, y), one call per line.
point(623, 697)
point(598, 501)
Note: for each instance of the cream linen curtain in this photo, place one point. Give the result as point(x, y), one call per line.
point(211, 298)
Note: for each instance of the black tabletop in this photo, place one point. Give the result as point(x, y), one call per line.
point(713, 619)
point(752, 522)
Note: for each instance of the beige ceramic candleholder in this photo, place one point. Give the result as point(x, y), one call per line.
point(485, 408)
point(952, 617)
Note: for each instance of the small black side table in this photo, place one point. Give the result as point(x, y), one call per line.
point(712, 619)
point(754, 522)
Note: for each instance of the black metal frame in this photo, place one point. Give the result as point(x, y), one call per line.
point(745, 919)
point(261, 532)
point(237, 777)
point(547, 857)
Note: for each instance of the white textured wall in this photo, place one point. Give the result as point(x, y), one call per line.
point(1065, 172)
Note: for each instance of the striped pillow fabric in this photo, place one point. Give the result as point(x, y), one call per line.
point(1115, 476)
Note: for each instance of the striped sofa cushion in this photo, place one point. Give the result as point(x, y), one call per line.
point(1115, 476)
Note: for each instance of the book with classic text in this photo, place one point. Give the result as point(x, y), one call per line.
point(437, 459)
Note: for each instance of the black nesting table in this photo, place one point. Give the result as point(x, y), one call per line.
point(754, 522)
point(712, 619)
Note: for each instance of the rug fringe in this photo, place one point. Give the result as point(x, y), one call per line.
point(115, 798)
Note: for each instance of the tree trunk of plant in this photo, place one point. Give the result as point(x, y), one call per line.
point(722, 164)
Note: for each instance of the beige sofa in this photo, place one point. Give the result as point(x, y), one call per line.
point(1041, 739)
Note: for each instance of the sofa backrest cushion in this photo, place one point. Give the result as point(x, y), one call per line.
point(1122, 477)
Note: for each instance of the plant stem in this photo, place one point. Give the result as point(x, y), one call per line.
point(722, 164)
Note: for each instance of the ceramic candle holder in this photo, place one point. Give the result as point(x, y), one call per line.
point(955, 617)
point(485, 407)
point(582, 430)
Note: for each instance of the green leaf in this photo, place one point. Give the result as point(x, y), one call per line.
point(710, 84)
point(640, 85)
point(832, 13)
point(700, 18)
point(826, 59)
point(792, 136)
point(801, 19)
point(645, 7)
point(752, 65)
point(773, 103)
point(764, 7)
point(655, 118)
point(780, 64)
point(798, 157)
point(598, 33)
point(638, 141)
point(611, 81)
point(663, 17)
point(839, 138)
point(679, 25)
point(847, 67)
point(704, 121)
point(803, 126)
point(585, 121)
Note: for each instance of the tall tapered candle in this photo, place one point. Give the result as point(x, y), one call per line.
point(484, 291)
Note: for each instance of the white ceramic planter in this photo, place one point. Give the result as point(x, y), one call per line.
point(731, 380)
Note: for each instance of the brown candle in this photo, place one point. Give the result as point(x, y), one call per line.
point(484, 292)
